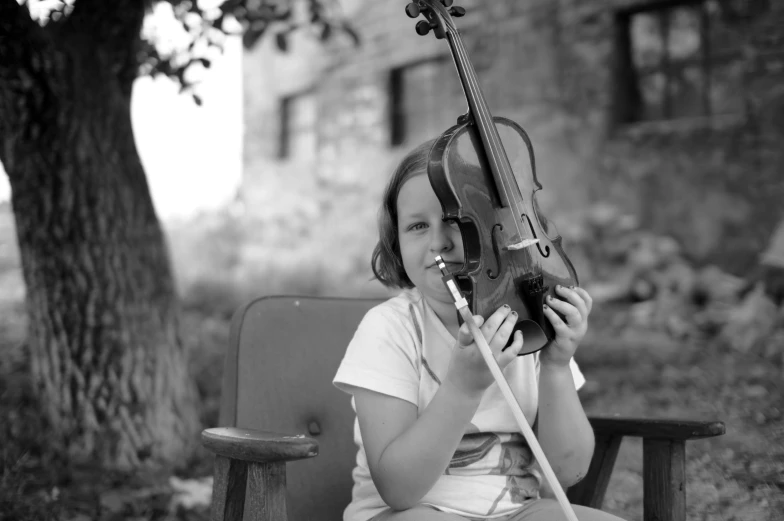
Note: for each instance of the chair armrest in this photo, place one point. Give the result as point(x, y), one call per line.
point(653, 428)
point(664, 443)
point(258, 446)
point(255, 461)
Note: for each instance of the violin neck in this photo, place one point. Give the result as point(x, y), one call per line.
point(483, 119)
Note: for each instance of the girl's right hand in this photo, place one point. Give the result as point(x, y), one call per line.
point(468, 371)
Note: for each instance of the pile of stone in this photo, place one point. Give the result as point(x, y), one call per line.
point(658, 288)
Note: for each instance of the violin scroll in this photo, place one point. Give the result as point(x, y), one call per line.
point(438, 15)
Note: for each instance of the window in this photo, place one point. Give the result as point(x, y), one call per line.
point(298, 127)
point(425, 98)
point(676, 60)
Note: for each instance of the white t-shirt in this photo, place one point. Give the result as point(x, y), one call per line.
point(402, 349)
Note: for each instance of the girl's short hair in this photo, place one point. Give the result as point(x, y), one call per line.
point(386, 262)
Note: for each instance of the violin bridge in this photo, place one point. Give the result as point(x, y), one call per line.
point(525, 243)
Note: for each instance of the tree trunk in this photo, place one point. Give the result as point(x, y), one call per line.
point(107, 359)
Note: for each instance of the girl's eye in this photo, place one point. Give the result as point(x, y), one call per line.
point(417, 226)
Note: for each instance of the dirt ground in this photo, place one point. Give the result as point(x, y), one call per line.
point(735, 477)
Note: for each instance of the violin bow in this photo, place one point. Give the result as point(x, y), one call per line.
point(462, 307)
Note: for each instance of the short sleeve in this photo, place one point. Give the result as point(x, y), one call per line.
point(382, 356)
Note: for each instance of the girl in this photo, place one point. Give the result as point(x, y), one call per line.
point(437, 441)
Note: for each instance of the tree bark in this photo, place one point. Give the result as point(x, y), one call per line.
point(107, 359)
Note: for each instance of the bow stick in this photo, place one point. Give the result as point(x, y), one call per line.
point(462, 307)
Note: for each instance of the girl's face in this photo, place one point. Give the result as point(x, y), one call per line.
point(423, 235)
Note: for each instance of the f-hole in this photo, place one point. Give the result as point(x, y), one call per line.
point(497, 251)
point(533, 232)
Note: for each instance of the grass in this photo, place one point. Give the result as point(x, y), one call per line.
point(735, 477)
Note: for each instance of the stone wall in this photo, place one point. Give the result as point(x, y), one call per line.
point(714, 183)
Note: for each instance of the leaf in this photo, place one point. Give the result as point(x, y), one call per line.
point(251, 36)
point(281, 41)
point(230, 5)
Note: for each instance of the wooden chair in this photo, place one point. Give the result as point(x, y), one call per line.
point(278, 405)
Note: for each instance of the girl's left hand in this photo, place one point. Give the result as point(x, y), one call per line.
point(569, 332)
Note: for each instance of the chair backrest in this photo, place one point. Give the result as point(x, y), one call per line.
point(277, 376)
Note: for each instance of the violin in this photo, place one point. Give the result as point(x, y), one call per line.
point(483, 172)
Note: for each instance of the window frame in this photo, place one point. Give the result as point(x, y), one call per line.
point(284, 120)
point(628, 105)
point(397, 95)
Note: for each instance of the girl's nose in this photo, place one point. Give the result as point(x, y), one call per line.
point(441, 239)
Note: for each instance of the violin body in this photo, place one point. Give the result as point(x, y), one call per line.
point(493, 274)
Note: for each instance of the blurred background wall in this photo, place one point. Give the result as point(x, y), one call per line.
point(658, 116)
point(669, 112)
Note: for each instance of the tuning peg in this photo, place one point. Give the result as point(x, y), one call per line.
point(446, 3)
point(457, 12)
point(412, 10)
point(423, 27)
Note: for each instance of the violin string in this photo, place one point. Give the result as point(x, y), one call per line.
point(493, 141)
point(482, 119)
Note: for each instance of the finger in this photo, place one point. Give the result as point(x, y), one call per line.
point(504, 332)
point(511, 352)
point(495, 320)
point(464, 337)
point(573, 298)
point(585, 296)
point(558, 324)
point(571, 313)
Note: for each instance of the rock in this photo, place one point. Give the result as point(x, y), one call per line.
point(755, 391)
point(774, 254)
point(114, 500)
point(191, 493)
point(644, 255)
point(642, 289)
point(750, 323)
point(79, 517)
point(676, 277)
point(678, 327)
point(608, 291)
point(714, 285)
